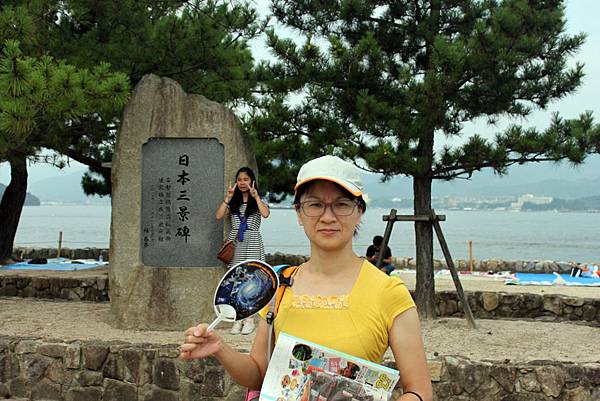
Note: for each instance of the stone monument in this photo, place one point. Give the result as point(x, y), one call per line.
point(174, 156)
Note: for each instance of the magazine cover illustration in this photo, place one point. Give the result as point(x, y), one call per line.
point(248, 287)
point(300, 370)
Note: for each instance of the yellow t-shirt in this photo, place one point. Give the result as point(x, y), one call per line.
point(357, 323)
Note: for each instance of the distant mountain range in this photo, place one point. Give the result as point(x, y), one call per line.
point(64, 188)
point(559, 181)
point(541, 180)
point(30, 199)
point(481, 188)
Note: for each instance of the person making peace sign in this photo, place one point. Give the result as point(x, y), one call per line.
point(243, 204)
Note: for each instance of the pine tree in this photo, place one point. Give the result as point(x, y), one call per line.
point(201, 44)
point(42, 100)
point(382, 81)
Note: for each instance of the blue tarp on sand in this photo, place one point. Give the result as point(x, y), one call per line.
point(56, 264)
point(551, 279)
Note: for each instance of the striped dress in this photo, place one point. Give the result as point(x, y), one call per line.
point(252, 246)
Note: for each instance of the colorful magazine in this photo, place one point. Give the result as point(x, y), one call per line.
point(301, 370)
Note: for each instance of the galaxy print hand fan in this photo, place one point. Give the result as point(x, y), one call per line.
point(244, 290)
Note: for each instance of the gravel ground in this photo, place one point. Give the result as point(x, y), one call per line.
point(517, 340)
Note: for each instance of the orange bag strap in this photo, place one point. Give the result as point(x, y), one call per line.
point(286, 279)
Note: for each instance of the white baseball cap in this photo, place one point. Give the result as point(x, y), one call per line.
point(331, 168)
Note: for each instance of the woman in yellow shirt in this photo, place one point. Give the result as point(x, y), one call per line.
point(338, 299)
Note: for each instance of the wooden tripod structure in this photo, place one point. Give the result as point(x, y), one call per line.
point(434, 219)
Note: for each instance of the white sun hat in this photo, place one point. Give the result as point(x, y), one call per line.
point(331, 168)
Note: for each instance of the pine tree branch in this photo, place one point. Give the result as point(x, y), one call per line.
point(452, 172)
point(88, 161)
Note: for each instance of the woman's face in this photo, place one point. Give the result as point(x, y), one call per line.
point(328, 231)
point(243, 182)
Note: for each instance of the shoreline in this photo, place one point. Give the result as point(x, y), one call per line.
point(400, 262)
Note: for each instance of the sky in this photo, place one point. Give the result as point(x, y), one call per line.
point(581, 17)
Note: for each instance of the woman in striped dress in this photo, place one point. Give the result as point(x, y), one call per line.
point(245, 208)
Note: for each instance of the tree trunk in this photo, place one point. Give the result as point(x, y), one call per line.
point(422, 177)
point(11, 207)
point(425, 289)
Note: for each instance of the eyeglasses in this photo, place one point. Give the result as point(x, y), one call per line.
point(342, 207)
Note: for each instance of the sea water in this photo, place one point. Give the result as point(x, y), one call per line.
point(495, 234)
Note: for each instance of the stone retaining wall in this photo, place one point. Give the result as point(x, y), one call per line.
point(92, 288)
point(525, 266)
point(546, 307)
point(484, 305)
point(484, 265)
point(75, 253)
point(94, 371)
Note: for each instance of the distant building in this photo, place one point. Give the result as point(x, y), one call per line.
point(530, 198)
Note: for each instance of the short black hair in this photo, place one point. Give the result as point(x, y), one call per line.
point(377, 240)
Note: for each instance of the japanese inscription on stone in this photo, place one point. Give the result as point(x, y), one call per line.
point(181, 182)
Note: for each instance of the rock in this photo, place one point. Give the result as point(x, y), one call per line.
point(524, 397)
point(113, 367)
point(470, 376)
point(57, 373)
point(84, 394)
point(94, 356)
point(576, 394)
point(19, 388)
point(132, 358)
point(102, 283)
point(166, 374)
point(46, 390)
point(553, 304)
point(593, 373)
point(27, 347)
point(9, 368)
point(564, 267)
point(34, 367)
point(589, 313)
point(53, 350)
point(490, 301)
point(147, 366)
point(213, 384)
point(158, 394)
point(192, 391)
point(435, 370)
point(8, 290)
point(492, 265)
point(40, 283)
point(88, 378)
point(551, 380)
point(530, 266)
point(168, 352)
point(490, 390)
point(195, 371)
point(528, 382)
point(118, 391)
point(448, 308)
point(532, 301)
point(505, 376)
point(72, 356)
point(573, 301)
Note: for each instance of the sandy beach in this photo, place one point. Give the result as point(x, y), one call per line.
point(515, 340)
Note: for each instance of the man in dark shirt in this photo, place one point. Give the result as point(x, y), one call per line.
point(373, 254)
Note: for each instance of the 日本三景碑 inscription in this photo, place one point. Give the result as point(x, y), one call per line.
point(181, 182)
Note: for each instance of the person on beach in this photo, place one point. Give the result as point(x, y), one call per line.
point(373, 252)
point(337, 299)
point(244, 206)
